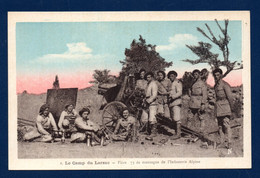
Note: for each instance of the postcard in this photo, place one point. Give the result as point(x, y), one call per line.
point(129, 90)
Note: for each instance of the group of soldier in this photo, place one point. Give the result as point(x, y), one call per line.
point(163, 97)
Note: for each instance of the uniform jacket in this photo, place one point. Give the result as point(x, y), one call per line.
point(151, 92)
point(198, 94)
point(224, 99)
point(64, 114)
point(163, 87)
point(175, 93)
point(47, 123)
point(141, 84)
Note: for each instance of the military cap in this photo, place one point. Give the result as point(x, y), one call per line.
point(172, 72)
point(84, 110)
point(217, 70)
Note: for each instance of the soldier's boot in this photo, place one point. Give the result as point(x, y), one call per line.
point(178, 132)
point(153, 132)
point(229, 135)
point(146, 129)
point(222, 136)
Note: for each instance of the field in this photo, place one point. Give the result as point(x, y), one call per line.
point(29, 104)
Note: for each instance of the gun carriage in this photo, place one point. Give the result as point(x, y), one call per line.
point(118, 97)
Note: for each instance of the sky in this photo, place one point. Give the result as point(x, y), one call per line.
point(73, 50)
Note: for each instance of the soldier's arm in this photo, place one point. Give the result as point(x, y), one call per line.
point(228, 92)
point(61, 120)
point(40, 127)
point(189, 91)
point(118, 124)
point(53, 123)
point(178, 89)
point(204, 94)
point(161, 89)
point(75, 113)
point(82, 125)
point(154, 94)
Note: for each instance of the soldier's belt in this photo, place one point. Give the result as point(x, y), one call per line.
point(221, 99)
point(196, 94)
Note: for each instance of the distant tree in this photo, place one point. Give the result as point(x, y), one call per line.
point(102, 76)
point(142, 55)
point(56, 84)
point(206, 56)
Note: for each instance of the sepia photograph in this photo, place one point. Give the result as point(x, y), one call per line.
point(129, 90)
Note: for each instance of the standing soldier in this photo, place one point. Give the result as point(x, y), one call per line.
point(224, 103)
point(164, 86)
point(151, 100)
point(198, 99)
point(141, 83)
point(175, 102)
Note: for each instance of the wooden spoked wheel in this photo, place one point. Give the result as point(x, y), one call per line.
point(111, 114)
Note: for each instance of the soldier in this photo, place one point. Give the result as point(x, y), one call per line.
point(164, 86)
point(175, 102)
point(68, 112)
point(224, 104)
point(125, 129)
point(198, 99)
point(204, 73)
point(151, 100)
point(45, 126)
point(141, 83)
point(86, 128)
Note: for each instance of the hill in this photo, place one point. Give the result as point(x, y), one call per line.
point(29, 104)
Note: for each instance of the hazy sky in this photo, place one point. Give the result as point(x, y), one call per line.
point(74, 50)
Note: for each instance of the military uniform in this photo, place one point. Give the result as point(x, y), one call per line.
point(163, 87)
point(224, 103)
point(151, 95)
point(175, 103)
point(64, 115)
point(125, 129)
point(43, 129)
point(141, 84)
point(175, 100)
point(84, 128)
point(198, 97)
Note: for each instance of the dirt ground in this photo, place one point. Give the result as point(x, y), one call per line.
point(140, 149)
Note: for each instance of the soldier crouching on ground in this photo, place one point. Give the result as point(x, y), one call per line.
point(86, 129)
point(45, 126)
point(198, 99)
point(224, 104)
point(175, 102)
point(125, 129)
point(68, 112)
point(164, 86)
